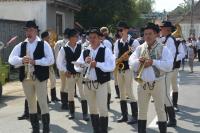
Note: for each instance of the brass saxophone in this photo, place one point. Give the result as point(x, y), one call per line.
point(141, 67)
point(119, 62)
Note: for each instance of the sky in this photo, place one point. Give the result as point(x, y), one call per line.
point(168, 5)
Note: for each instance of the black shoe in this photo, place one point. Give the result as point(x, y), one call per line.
point(104, 124)
point(45, 122)
point(124, 110)
point(95, 123)
point(53, 95)
point(172, 117)
point(25, 116)
point(134, 110)
point(175, 100)
point(162, 127)
point(142, 126)
point(71, 110)
point(117, 92)
point(64, 101)
point(35, 123)
point(108, 101)
point(85, 110)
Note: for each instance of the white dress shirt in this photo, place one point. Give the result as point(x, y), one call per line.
point(172, 48)
point(107, 44)
point(107, 66)
point(58, 45)
point(16, 60)
point(61, 58)
point(165, 63)
point(134, 45)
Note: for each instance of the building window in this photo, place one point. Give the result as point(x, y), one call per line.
point(59, 23)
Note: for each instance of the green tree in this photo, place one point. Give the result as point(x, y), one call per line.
point(99, 13)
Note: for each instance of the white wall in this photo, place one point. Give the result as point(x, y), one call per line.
point(186, 30)
point(24, 11)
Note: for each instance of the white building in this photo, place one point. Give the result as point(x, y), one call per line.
point(48, 14)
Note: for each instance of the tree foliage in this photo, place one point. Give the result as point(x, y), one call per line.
point(97, 13)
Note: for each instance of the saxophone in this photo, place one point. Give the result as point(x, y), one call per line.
point(119, 62)
point(138, 78)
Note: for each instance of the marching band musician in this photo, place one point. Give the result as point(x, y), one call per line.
point(67, 54)
point(125, 76)
point(107, 43)
point(63, 92)
point(33, 57)
point(151, 60)
point(52, 77)
point(102, 62)
point(177, 52)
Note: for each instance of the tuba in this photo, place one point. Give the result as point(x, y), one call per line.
point(53, 37)
point(141, 67)
point(178, 32)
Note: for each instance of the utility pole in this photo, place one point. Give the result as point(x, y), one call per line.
point(192, 30)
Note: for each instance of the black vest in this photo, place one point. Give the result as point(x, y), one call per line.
point(41, 72)
point(122, 49)
point(102, 77)
point(176, 64)
point(70, 56)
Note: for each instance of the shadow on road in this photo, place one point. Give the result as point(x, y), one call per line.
point(57, 129)
point(185, 114)
point(5, 99)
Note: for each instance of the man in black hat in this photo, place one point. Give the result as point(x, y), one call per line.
point(156, 60)
point(102, 62)
point(125, 77)
point(63, 91)
point(52, 77)
point(67, 54)
point(177, 52)
point(33, 57)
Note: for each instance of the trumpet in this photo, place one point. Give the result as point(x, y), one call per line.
point(27, 68)
point(138, 78)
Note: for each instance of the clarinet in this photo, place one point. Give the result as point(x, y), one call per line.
point(88, 69)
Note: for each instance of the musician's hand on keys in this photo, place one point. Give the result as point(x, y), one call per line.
point(125, 58)
point(93, 64)
point(68, 74)
point(88, 59)
point(142, 59)
point(25, 60)
point(148, 63)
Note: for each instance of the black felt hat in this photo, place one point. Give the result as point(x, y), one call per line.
point(152, 26)
point(95, 30)
point(31, 24)
point(122, 24)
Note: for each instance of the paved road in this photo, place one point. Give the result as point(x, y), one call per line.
point(11, 106)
